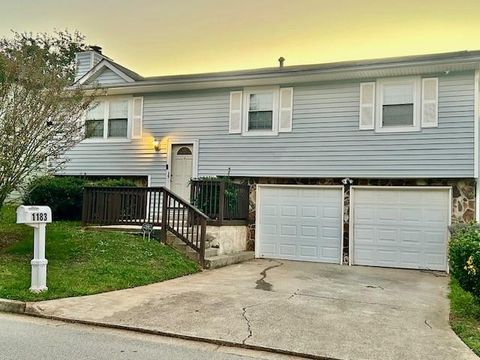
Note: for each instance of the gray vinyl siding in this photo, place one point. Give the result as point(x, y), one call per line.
point(325, 141)
point(116, 159)
point(84, 63)
point(108, 77)
point(84, 60)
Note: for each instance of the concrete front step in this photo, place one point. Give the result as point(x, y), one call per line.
point(193, 255)
point(228, 259)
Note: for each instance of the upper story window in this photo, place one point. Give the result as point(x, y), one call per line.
point(261, 111)
point(94, 121)
point(118, 119)
point(399, 104)
point(108, 119)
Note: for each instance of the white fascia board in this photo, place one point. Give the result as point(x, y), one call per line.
point(213, 81)
point(99, 67)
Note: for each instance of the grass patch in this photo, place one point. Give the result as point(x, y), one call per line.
point(82, 262)
point(465, 316)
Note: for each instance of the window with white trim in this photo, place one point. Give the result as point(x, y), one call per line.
point(118, 119)
point(398, 105)
point(94, 121)
point(108, 119)
point(260, 111)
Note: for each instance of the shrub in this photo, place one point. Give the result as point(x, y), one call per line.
point(64, 194)
point(112, 182)
point(464, 257)
point(209, 195)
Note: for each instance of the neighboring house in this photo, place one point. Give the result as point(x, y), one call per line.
point(403, 131)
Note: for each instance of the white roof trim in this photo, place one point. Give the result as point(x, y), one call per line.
point(99, 67)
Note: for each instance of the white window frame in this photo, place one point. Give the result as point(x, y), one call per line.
point(275, 90)
point(417, 104)
point(106, 109)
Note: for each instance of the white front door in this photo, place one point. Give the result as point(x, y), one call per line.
point(181, 170)
point(300, 222)
point(400, 227)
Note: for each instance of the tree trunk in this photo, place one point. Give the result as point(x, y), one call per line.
point(4, 191)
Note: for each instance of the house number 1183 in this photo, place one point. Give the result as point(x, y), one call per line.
point(39, 217)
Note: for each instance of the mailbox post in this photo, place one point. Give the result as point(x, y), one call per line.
point(37, 217)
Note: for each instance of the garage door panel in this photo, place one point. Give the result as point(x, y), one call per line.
point(308, 251)
point(310, 231)
point(365, 214)
point(267, 248)
point(300, 223)
point(329, 253)
point(411, 237)
point(436, 215)
point(309, 211)
point(268, 210)
point(386, 237)
point(434, 237)
point(330, 232)
point(288, 230)
point(386, 215)
point(288, 250)
point(289, 211)
point(415, 237)
point(411, 214)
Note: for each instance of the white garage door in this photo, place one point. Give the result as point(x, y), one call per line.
point(401, 227)
point(299, 222)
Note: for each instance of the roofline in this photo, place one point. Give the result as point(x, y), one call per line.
point(394, 61)
point(94, 71)
point(431, 63)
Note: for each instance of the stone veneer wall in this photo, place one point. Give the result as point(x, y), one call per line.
point(463, 197)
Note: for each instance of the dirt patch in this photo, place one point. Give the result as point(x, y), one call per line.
point(8, 238)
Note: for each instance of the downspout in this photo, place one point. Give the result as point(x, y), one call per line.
point(476, 154)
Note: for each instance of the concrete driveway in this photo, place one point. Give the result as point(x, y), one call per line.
point(329, 311)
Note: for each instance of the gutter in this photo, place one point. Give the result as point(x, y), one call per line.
point(285, 76)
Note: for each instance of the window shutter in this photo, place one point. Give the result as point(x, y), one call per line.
point(235, 123)
point(430, 102)
point(137, 118)
point(286, 110)
point(367, 106)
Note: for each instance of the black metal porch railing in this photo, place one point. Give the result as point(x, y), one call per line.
point(154, 205)
point(223, 201)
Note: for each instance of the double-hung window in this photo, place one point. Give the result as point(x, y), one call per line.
point(261, 111)
point(118, 119)
point(94, 121)
point(108, 120)
point(398, 106)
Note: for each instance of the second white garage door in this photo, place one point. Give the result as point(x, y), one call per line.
point(405, 227)
point(299, 222)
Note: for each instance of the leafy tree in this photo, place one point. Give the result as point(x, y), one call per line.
point(40, 110)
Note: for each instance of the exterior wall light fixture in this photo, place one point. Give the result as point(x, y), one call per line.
point(156, 145)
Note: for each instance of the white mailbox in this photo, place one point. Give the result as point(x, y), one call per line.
point(34, 214)
point(37, 217)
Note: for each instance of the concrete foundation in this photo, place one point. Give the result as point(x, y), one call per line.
point(228, 239)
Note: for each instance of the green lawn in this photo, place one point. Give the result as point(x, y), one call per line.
point(82, 262)
point(465, 316)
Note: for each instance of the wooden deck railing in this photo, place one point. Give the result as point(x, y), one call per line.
point(223, 201)
point(154, 205)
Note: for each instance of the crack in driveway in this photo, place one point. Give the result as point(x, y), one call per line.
point(249, 326)
point(261, 283)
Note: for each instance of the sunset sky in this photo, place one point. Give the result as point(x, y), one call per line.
point(157, 37)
